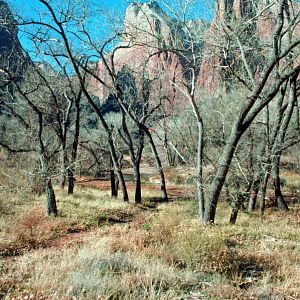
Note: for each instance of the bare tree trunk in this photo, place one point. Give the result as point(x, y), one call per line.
point(262, 205)
point(280, 201)
point(237, 206)
point(138, 188)
point(114, 193)
point(219, 180)
point(262, 155)
point(254, 193)
point(279, 141)
point(134, 157)
point(137, 172)
point(118, 169)
point(163, 189)
point(117, 187)
point(71, 179)
point(170, 158)
point(200, 190)
point(50, 198)
point(50, 195)
point(63, 162)
point(114, 190)
point(121, 181)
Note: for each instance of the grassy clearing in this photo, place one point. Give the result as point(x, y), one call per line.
point(291, 180)
point(25, 226)
point(132, 252)
point(165, 255)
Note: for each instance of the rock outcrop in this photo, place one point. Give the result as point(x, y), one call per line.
point(11, 54)
point(256, 21)
point(149, 34)
point(213, 73)
point(144, 49)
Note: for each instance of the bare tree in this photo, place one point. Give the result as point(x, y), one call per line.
point(232, 44)
point(59, 28)
point(27, 108)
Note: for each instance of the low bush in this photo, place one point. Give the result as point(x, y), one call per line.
point(33, 229)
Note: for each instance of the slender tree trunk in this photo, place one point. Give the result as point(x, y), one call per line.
point(200, 190)
point(117, 187)
point(118, 169)
point(269, 141)
point(170, 157)
point(138, 187)
point(71, 181)
point(254, 193)
point(63, 162)
point(50, 195)
point(134, 157)
point(121, 181)
point(71, 178)
point(44, 161)
point(278, 143)
point(262, 205)
point(114, 191)
point(261, 155)
point(50, 198)
point(164, 195)
point(280, 201)
point(137, 172)
point(237, 206)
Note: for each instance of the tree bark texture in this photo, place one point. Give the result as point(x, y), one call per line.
point(50, 198)
point(163, 189)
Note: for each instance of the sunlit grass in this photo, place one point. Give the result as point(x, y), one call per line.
point(291, 182)
point(156, 253)
point(168, 255)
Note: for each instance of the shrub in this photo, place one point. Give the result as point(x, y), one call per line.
point(36, 184)
point(33, 229)
point(204, 251)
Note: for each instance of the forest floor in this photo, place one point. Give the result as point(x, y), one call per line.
point(103, 248)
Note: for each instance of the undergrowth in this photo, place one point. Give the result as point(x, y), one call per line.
point(146, 252)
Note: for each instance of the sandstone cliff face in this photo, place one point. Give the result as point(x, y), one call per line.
point(11, 55)
point(213, 74)
point(147, 29)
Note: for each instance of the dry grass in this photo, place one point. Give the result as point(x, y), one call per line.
point(159, 253)
point(292, 181)
point(91, 272)
point(168, 255)
point(25, 226)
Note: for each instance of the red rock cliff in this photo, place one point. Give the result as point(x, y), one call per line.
point(147, 29)
point(260, 17)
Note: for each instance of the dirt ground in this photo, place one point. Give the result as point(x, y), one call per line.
point(174, 191)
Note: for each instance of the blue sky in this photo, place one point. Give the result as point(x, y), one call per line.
point(27, 6)
point(31, 8)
